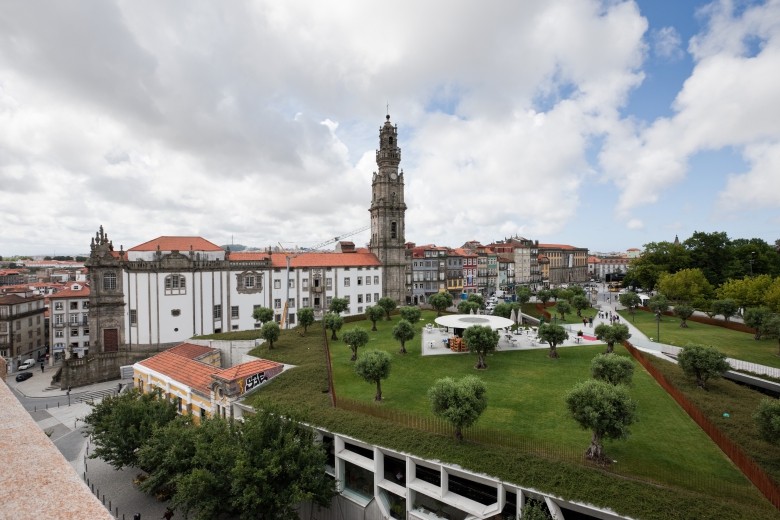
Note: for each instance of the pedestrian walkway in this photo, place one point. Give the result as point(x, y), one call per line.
point(39, 385)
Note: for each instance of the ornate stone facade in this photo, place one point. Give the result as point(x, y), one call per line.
point(388, 213)
point(106, 297)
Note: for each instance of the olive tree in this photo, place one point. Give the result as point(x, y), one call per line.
point(411, 313)
point(564, 308)
point(767, 417)
point(658, 303)
point(403, 332)
point(270, 332)
point(683, 312)
point(770, 328)
point(263, 314)
point(580, 303)
point(604, 409)
point(523, 295)
point(333, 321)
point(505, 309)
point(476, 298)
point(630, 300)
point(613, 369)
point(440, 301)
point(726, 308)
point(481, 340)
point(388, 304)
point(703, 363)
point(466, 306)
point(373, 366)
point(374, 313)
point(611, 334)
point(338, 305)
point(755, 318)
point(306, 318)
point(458, 402)
point(554, 335)
point(543, 296)
point(355, 338)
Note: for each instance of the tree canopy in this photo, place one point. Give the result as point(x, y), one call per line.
point(458, 402)
point(564, 308)
point(554, 335)
point(411, 313)
point(683, 312)
point(658, 303)
point(466, 306)
point(580, 303)
point(355, 338)
point(440, 301)
point(702, 363)
point(263, 314)
point(543, 296)
point(505, 309)
point(403, 332)
point(338, 305)
point(726, 308)
point(306, 318)
point(481, 340)
point(755, 318)
point(630, 300)
point(476, 298)
point(375, 313)
point(770, 329)
point(767, 417)
point(333, 321)
point(611, 334)
point(613, 369)
point(373, 366)
point(388, 304)
point(120, 424)
point(748, 291)
point(270, 332)
point(523, 294)
point(604, 409)
point(685, 285)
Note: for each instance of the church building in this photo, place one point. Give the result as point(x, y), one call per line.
point(166, 290)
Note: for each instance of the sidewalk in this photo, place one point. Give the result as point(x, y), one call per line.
point(39, 385)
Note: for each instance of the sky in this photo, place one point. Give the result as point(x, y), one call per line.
point(601, 124)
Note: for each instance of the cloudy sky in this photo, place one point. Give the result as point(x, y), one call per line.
point(601, 124)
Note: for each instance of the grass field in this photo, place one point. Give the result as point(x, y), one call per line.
point(525, 393)
point(572, 318)
point(305, 390)
point(737, 345)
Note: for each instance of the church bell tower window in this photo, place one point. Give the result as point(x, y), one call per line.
point(393, 230)
point(109, 281)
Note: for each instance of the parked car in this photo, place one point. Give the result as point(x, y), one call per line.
point(28, 363)
point(24, 376)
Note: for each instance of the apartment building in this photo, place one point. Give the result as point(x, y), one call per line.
point(21, 328)
point(69, 322)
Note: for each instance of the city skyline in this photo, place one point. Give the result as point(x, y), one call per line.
point(603, 125)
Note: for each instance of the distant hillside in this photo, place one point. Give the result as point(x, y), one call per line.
point(234, 247)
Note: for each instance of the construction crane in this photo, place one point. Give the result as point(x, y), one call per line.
point(335, 239)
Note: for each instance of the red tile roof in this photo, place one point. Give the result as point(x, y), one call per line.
point(192, 373)
point(594, 260)
point(11, 299)
point(70, 292)
point(190, 350)
point(246, 369)
point(558, 246)
point(177, 244)
point(633, 249)
point(313, 259)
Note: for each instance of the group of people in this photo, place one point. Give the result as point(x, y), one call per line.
point(613, 318)
point(588, 321)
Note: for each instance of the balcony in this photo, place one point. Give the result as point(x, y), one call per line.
point(59, 325)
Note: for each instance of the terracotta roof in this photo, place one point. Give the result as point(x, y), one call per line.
point(633, 249)
point(190, 350)
point(70, 292)
point(594, 260)
point(177, 244)
point(11, 299)
point(556, 246)
point(246, 369)
point(463, 252)
point(192, 373)
point(358, 258)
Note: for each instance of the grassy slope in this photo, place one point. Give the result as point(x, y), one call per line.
point(305, 389)
point(737, 345)
point(525, 393)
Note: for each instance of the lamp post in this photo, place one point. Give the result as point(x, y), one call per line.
point(555, 319)
point(658, 322)
point(751, 263)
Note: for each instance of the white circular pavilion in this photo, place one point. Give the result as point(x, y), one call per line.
point(464, 321)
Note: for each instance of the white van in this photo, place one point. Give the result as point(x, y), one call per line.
point(28, 363)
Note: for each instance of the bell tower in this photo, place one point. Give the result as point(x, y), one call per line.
point(106, 295)
point(388, 211)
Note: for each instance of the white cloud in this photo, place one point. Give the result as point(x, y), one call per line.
point(259, 120)
point(635, 224)
point(728, 101)
point(666, 43)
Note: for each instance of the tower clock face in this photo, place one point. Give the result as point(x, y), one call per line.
point(394, 176)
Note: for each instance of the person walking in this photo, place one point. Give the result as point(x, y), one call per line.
point(41, 368)
point(590, 321)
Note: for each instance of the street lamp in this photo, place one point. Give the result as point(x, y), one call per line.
point(658, 321)
point(751, 263)
point(555, 318)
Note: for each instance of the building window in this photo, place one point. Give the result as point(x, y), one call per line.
point(305, 284)
point(328, 283)
point(133, 317)
point(368, 298)
point(305, 301)
point(291, 303)
point(57, 333)
point(346, 281)
point(368, 280)
point(360, 280)
point(277, 284)
point(109, 281)
point(175, 284)
point(58, 306)
point(73, 332)
point(85, 305)
point(376, 296)
point(360, 298)
point(74, 306)
point(218, 312)
point(277, 303)
point(327, 300)
point(249, 282)
point(291, 283)
point(234, 311)
point(291, 318)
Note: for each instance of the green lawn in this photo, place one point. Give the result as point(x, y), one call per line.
point(737, 345)
point(572, 318)
point(525, 392)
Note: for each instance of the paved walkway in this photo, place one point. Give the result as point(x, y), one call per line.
point(39, 385)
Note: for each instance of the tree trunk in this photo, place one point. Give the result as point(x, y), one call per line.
point(373, 329)
point(595, 451)
point(305, 327)
point(378, 397)
point(610, 348)
point(579, 313)
point(683, 325)
point(439, 313)
point(354, 355)
point(403, 348)
point(757, 337)
point(458, 434)
point(333, 336)
point(480, 362)
point(271, 344)
point(778, 347)
point(388, 316)
point(553, 352)
point(701, 383)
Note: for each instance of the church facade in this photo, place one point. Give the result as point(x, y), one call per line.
point(164, 291)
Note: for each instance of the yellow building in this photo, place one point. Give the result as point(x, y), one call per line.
point(191, 375)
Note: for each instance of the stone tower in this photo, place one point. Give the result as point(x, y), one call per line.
point(106, 295)
point(388, 212)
